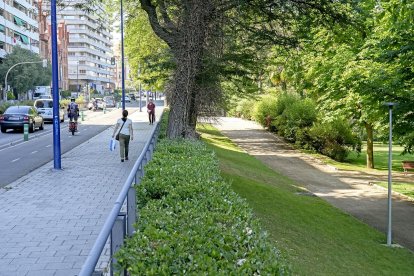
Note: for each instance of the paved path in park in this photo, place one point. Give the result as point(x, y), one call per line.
point(50, 219)
point(350, 191)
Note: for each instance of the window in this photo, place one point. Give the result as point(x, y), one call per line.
point(20, 22)
point(82, 71)
point(2, 29)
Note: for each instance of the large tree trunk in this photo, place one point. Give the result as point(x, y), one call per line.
point(188, 52)
point(370, 146)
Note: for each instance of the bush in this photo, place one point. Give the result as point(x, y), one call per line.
point(334, 139)
point(191, 222)
point(244, 109)
point(297, 116)
point(265, 107)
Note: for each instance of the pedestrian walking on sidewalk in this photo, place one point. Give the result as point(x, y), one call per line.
point(151, 112)
point(125, 132)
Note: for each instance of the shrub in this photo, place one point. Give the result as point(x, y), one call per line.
point(244, 109)
point(191, 222)
point(334, 139)
point(265, 107)
point(299, 115)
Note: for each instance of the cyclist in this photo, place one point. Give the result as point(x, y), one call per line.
point(73, 112)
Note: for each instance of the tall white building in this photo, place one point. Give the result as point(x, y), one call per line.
point(18, 26)
point(89, 49)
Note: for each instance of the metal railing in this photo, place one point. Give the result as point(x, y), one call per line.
point(119, 224)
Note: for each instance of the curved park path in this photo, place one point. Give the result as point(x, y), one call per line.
point(347, 190)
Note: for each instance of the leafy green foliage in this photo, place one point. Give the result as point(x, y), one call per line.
point(265, 107)
point(296, 119)
point(148, 56)
point(334, 139)
point(24, 77)
point(191, 222)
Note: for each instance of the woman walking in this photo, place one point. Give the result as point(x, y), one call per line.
point(125, 134)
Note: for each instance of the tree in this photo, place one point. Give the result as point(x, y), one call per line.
point(198, 35)
point(353, 72)
point(147, 55)
point(24, 77)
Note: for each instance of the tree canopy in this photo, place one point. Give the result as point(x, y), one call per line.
point(24, 77)
point(218, 45)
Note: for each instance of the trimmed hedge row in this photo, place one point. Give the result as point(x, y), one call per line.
point(191, 222)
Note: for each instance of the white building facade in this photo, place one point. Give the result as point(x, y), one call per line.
point(89, 50)
point(18, 26)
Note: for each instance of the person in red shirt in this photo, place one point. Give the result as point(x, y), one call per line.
point(151, 112)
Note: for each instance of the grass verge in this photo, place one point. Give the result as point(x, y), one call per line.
point(406, 189)
point(357, 161)
point(314, 237)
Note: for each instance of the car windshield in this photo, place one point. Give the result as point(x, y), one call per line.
point(44, 104)
point(17, 110)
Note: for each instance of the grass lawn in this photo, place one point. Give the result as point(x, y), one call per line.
point(403, 188)
point(314, 237)
point(358, 162)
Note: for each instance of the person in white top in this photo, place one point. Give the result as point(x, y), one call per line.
point(126, 133)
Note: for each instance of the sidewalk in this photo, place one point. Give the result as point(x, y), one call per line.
point(347, 190)
point(50, 219)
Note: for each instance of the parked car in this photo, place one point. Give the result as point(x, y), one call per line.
point(15, 117)
point(110, 101)
point(45, 108)
point(127, 99)
point(100, 103)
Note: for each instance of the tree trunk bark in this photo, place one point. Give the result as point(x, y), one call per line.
point(185, 90)
point(370, 146)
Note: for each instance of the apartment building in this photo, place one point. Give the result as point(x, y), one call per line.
point(18, 26)
point(89, 49)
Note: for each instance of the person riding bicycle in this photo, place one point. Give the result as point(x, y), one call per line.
point(73, 111)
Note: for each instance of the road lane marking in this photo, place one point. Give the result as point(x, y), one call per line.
point(17, 159)
point(33, 152)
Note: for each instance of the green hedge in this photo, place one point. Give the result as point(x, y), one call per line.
point(191, 222)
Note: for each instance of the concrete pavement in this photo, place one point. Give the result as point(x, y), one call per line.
point(49, 219)
point(350, 191)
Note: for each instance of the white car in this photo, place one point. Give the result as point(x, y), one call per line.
point(45, 109)
point(127, 99)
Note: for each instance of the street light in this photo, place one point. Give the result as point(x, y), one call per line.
point(389, 234)
point(77, 76)
point(122, 59)
point(139, 88)
point(55, 89)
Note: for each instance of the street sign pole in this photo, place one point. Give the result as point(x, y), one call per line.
point(55, 89)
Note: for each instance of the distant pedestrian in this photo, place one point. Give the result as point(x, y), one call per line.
point(151, 112)
point(125, 132)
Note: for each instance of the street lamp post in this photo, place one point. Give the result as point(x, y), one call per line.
point(139, 88)
point(389, 232)
point(77, 76)
point(122, 61)
point(55, 89)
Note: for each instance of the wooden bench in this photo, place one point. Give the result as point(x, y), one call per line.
point(407, 165)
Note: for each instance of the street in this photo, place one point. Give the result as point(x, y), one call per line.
point(19, 157)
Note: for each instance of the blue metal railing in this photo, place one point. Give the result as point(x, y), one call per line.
point(118, 223)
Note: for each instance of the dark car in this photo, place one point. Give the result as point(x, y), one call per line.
point(15, 117)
